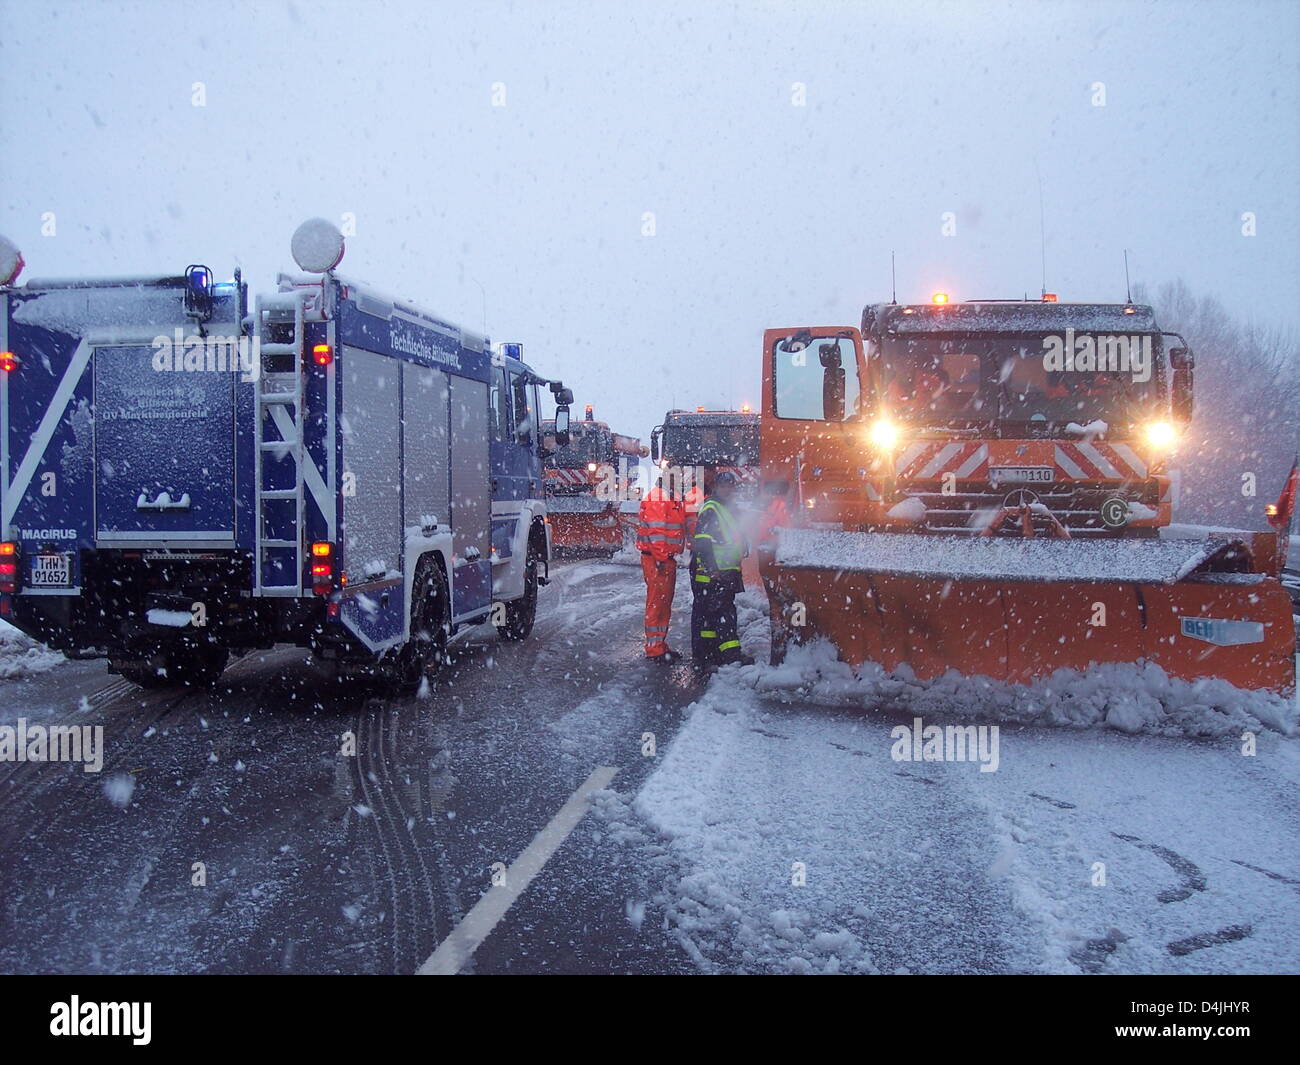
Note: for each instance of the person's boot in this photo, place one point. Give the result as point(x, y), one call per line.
point(667, 658)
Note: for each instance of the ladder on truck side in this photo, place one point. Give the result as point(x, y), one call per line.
point(280, 551)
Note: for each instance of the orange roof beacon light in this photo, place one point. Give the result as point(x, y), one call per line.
point(939, 298)
point(744, 408)
point(1049, 297)
point(587, 412)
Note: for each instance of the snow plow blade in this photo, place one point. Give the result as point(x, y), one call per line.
point(580, 523)
point(1019, 609)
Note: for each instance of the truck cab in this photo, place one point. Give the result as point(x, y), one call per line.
point(948, 417)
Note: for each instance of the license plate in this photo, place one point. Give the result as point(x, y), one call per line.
point(51, 571)
point(1022, 474)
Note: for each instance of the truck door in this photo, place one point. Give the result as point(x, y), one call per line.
point(816, 418)
point(164, 450)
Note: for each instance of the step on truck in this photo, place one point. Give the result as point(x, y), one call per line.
point(185, 477)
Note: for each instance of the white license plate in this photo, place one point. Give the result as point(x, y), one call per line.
point(1022, 474)
point(51, 571)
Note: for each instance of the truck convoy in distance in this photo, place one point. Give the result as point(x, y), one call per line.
point(707, 442)
point(181, 479)
point(981, 487)
point(591, 487)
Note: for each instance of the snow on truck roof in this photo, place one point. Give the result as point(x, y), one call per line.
point(999, 559)
point(1013, 316)
point(710, 417)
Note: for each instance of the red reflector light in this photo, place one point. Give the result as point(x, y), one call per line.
point(322, 568)
point(8, 569)
point(9, 362)
point(332, 610)
point(322, 354)
point(6, 608)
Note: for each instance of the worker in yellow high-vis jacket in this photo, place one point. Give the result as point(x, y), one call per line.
point(716, 552)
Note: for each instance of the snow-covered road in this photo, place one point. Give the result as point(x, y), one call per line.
point(1086, 850)
point(760, 823)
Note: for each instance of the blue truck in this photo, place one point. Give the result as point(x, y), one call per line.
point(184, 476)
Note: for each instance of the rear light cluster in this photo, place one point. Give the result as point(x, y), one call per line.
point(9, 362)
point(8, 572)
point(322, 568)
point(322, 354)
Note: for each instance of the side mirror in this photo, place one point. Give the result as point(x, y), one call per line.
point(832, 382)
point(563, 396)
point(1181, 398)
point(562, 425)
point(1182, 359)
point(654, 447)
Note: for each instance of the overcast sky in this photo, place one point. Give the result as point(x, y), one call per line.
point(766, 213)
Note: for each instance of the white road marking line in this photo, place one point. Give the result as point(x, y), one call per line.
point(468, 936)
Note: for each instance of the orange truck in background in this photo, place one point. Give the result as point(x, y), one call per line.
point(590, 483)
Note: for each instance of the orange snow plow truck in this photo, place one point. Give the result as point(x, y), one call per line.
point(982, 487)
point(591, 485)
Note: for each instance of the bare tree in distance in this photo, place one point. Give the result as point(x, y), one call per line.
point(1247, 414)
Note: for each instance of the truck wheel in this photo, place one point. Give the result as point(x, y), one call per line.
point(522, 612)
point(426, 651)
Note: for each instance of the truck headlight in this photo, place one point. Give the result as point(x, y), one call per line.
point(1161, 434)
point(883, 434)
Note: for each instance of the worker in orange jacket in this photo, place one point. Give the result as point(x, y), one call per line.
point(660, 537)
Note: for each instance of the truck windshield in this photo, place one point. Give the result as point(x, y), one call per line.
point(586, 444)
point(711, 445)
point(1022, 381)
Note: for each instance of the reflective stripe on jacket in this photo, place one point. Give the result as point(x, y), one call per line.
point(662, 526)
point(718, 545)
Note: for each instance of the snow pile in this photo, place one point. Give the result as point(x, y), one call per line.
point(20, 655)
point(1130, 697)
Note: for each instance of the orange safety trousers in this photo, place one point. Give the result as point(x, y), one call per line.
point(660, 582)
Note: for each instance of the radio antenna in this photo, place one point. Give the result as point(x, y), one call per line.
point(1128, 289)
point(893, 280)
point(1042, 230)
